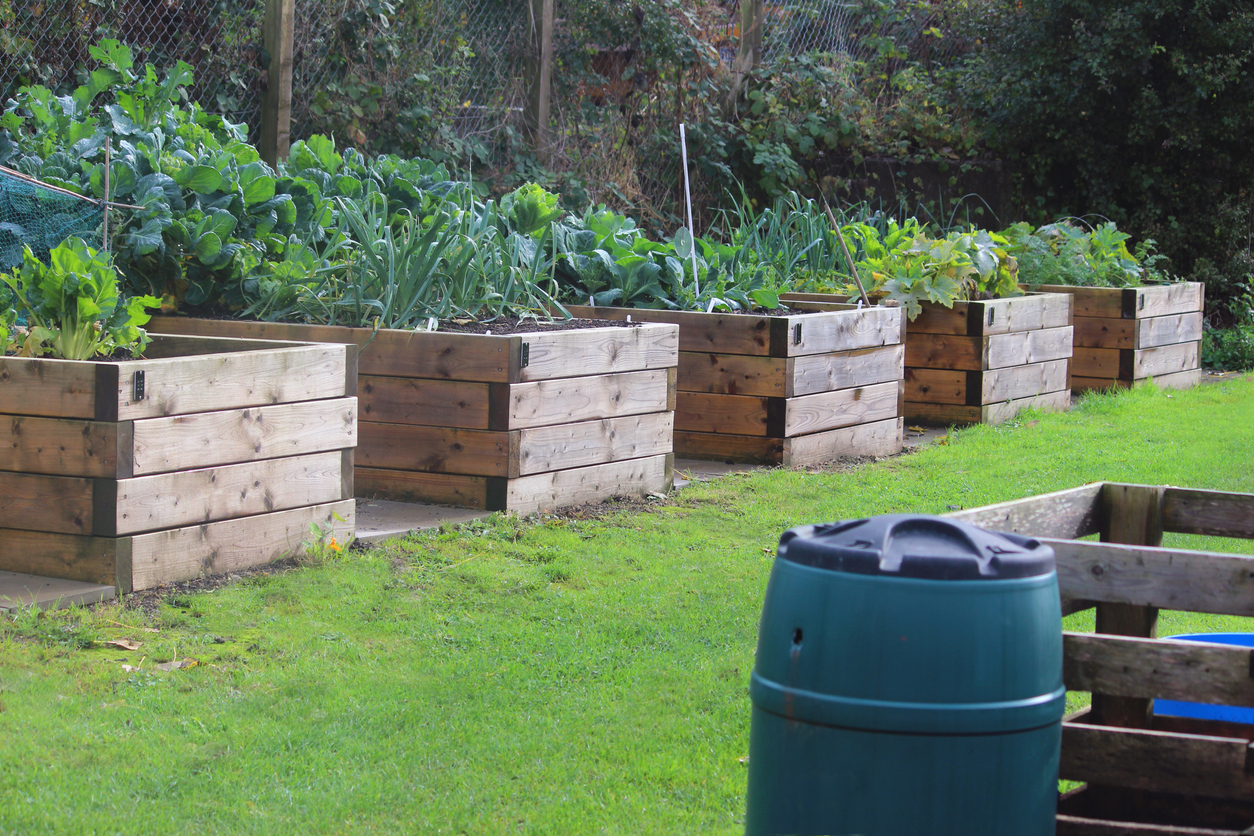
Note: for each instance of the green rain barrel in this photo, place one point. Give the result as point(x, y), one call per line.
point(908, 682)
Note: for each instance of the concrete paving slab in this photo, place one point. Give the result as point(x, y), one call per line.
point(18, 591)
point(701, 470)
point(383, 519)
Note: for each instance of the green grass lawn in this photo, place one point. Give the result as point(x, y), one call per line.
point(539, 676)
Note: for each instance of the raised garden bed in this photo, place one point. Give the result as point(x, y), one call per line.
point(795, 389)
point(522, 423)
point(1126, 336)
point(206, 456)
point(1144, 773)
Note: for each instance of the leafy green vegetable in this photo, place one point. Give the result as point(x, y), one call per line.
point(73, 307)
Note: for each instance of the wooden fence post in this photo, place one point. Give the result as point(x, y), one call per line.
point(276, 104)
point(540, 78)
point(749, 52)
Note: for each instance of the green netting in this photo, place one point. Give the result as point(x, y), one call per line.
point(40, 218)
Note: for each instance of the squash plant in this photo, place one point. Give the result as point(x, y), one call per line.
point(1070, 252)
point(73, 307)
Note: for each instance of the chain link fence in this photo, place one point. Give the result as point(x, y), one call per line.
point(453, 74)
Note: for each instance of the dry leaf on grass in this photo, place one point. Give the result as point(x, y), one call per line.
point(177, 664)
point(125, 644)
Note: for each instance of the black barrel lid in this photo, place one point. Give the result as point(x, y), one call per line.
point(916, 546)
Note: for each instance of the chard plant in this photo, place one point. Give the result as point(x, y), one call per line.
point(73, 307)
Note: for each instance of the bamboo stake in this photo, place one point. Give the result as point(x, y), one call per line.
point(866, 300)
point(41, 184)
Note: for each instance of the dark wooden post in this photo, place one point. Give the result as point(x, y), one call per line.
point(276, 104)
point(540, 78)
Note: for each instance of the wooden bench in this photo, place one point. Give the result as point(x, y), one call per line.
point(1146, 774)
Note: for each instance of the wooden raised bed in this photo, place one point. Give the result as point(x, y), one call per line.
point(523, 423)
point(791, 390)
point(1146, 774)
point(1126, 336)
point(206, 456)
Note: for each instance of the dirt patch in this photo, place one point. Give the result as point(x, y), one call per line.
point(150, 600)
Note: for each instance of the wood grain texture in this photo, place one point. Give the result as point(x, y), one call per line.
point(821, 331)
point(1212, 513)
point(69, 556)
point(439, 355)
point(1156, 761)
point(184, 553)
point(846, 370)
point(1133, 302)
point(1069, 514)
point(51, 388)
point(230, 380)
point(997, 413)
point(1210, 582)
point(444, 403)
point(1084, 826)
point(1148, 668)
point(1165, 360)
point(414, 486)
point(212, 438)
point(172, 500)
point(842, 408)
point(880, 438)
point(598, 351)
point(1019, 382)
point(605, 440)
point(579, 486)
point(729, 414)
point(61, 504)
point(729, 447)
point(995, 316)
point(567, 400)
point(437, 450)
point(1017, 348)
point(1179, 380)
point(1105, 332)
point(736, 374)
point(64, 447)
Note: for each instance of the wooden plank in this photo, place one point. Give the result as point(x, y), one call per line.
point(1019, 382)
point(545, 449)
point(213, 548)
point(997, 413)
point(1165, 360)
point(730, 414)
point(69, 556)
point(598, 351)
point(1133, 515)
point(436, 354)
point(1081, 826)
point(437, 450)
point(413, 486)
point(1186, 813)
point(1156, 761)
point(186, 442)
point(34, 502)
point(582, 485)
point(877, 438)
point(227, 380)
point(1177, 579)
point(817, 373)
point(545, 403)
point(1151, 668)
point(995, 316)
point(1105, 332)
point(935, 386)
point(1068, 514)
point(1179, 380)
point(881, 438)
point(1023, 347)
point(1212, 513)
point(736, 374)
point(1168, 330)
point(821, 332)
point(1134, 302)
point(842, 408)
point(1167, 299)
point(1100, 363)
point(187, 497)
point(945, 351)
point(700, 332)
point(1103, 302)
point(51, 388)
point(444, 403)
point(58, 447)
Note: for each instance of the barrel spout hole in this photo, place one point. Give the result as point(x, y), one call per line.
point(796, 636)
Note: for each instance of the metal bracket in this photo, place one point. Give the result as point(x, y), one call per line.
point(796, 334)
point(526, 356)
point(991, 312)
point(138, 394)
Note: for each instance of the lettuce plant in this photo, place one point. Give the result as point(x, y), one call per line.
point(72, 305)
